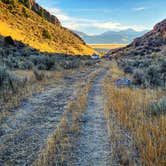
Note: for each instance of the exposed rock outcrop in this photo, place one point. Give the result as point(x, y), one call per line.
point(44, 13)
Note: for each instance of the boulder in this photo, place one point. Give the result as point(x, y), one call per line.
point(9, 41)
point(123, 82)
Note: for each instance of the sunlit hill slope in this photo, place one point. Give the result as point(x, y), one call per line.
point(25, 25)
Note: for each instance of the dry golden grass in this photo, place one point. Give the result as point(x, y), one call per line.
point(29, 30)
point(107, 46)
point(131, 107)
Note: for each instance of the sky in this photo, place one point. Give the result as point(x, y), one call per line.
point(98, 16)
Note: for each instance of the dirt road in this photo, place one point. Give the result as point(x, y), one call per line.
point(24, 132)
point(94, 146)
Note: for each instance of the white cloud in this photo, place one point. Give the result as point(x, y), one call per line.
point(82, 23)
point(117, 26)
point(58, 13)
point(142, 8)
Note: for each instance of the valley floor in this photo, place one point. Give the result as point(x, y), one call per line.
point(70, 123)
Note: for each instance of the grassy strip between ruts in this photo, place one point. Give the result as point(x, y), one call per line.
point(135, 110)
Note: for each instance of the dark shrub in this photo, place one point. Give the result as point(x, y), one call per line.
point(138, 77)
point(10, 81)
point(11, 2)
point(26, 65)
point(41, 67)
point(128, 69)
point(43, 62)
point(9, 41)
point(153, 76)
point(25, 12)
point(39, 75)
point(70, 64)
point(46, 34)
point(158, 108)
point(89, 63)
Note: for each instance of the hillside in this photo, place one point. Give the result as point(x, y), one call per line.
point(153, 41)
point(39, 32)
point(145, 57)
point(111, 37)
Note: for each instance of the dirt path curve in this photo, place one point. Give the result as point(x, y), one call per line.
point(24, 132)
point(94, 146)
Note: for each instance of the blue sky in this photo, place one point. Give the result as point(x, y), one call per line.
point(97, 16)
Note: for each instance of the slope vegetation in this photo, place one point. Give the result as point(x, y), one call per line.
point(24, 24)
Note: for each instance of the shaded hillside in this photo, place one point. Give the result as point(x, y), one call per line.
point(112, 37)
point(15, 55)
point(23, 24)
point(145, 57)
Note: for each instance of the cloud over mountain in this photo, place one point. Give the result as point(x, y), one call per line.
point(76, 23)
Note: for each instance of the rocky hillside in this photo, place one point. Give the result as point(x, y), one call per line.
point(26, 21)
point(145, 58)
point(41, 11)
point(150, 43)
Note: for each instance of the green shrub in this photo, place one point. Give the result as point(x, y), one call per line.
point(153, 76)
point(158, 108)
point(11, 5)
point(26, 65)
point(46, 34)
point(138, 77)
point(11, 2)
point(89, 63)
point(39, 75)
point(43, 62)
point(42, 13)
point(22, 1)
point(28, 4)
point(25, 12)
point(10, 81)
point(128, 69)
point(70, 64)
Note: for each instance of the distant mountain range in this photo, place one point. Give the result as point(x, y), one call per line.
point(109, 37)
